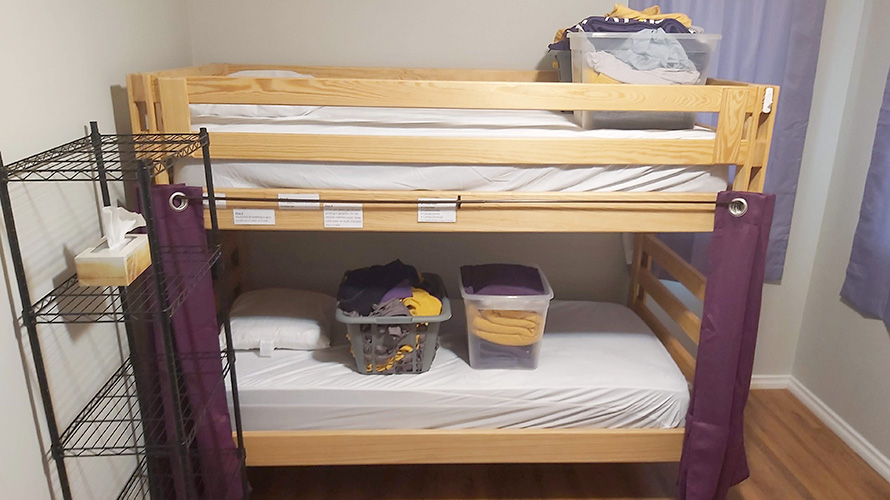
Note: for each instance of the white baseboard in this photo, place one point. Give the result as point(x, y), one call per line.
point(771, 381)
point(879, 462)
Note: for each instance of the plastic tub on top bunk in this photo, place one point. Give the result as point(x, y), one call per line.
point(411, 350)
point(647, 57)
point(563, 64)
point(505, 331)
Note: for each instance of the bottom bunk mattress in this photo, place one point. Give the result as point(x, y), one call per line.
point(513, 124)
point(600, 367)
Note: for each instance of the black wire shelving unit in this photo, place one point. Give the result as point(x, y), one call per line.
point(120, 155)
point(131, 413)
point(114, 423)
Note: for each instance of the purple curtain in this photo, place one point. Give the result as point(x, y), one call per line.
point(772, 42)
point(196, 336)
point(867, 286)
point(713, 450)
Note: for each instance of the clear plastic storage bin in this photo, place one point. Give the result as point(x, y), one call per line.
point(377, 351)
point(505, 331)
point(611, 57)
point(563, 60)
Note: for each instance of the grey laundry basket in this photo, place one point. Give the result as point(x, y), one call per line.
point(419, 334)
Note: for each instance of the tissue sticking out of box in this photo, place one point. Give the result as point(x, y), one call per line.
point(118, 258)
point(116, 223)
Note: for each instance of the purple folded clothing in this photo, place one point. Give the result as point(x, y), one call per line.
point(501, 279)
point(362, 288)
point(400, 291)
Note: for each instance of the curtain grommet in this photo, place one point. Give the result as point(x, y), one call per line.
point(738, 207)
point(178, 201)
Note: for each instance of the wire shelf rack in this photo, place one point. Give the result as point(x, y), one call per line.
point(154, 408)
point(71, 303)
point(126, 416)
point(120, 154)
point(142, 483)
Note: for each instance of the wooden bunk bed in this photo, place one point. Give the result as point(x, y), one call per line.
point(159, 102)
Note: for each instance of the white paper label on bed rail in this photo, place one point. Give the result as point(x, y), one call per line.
point(220, 200)
point(343, 215)
point(253, 217)
point(295, 201)
point(436, 210)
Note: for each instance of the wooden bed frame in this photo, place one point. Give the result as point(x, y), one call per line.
point(159, 103)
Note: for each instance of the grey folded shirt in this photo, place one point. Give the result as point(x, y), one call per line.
point(611, 66)
point(653, 49)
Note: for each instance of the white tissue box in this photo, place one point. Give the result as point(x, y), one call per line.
point(100, 266)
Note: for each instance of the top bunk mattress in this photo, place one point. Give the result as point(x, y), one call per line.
point(600, 367)
point(436, 123)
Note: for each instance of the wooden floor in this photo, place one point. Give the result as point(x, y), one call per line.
point(791, 455)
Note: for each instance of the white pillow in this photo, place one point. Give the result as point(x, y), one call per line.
point(281, 318)
point(255, 110)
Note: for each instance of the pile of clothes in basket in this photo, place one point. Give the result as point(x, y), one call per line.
point(379, 304)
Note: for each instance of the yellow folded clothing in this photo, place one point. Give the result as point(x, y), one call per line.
point(421, 303)
point(513, 328)
point(591, 76)
point(652, 13)
point(522, 319)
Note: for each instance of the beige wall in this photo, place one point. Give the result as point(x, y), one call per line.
point(509, 34)
point(843, 358)
point(59, 61)
point(586, 266)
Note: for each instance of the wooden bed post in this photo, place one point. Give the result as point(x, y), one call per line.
point(762, 141)
point(173, 96)
point(175, 117)
point(751, 172)
point(143, 107)
point(730, 124)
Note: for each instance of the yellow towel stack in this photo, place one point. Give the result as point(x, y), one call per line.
point(504, 327)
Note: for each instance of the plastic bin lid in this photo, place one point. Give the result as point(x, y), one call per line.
point(548, 292)
point(582, 40)
point(705, 37)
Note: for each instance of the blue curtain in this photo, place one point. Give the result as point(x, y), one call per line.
point(764, 41)
point(867, 286)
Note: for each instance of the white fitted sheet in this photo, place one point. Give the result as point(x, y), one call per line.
point(441, 123)
point(600, 367)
